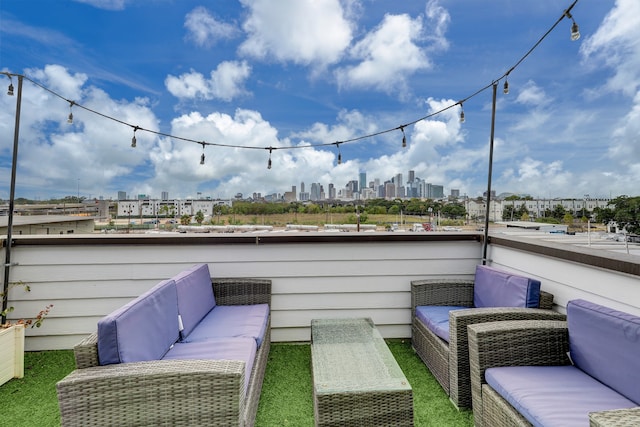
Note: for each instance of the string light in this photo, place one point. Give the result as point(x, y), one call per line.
point(70, 118)
point(133, 140)
point(202, 156)
point(575, 35)
point(505, 88)
point(10, 88)
point(575, 30)
point(404, 137)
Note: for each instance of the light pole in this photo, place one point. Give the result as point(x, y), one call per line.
point(12, 194)
point(486, 217)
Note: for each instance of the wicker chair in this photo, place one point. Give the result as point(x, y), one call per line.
point(532, 343)
point(168, 392)
point(449, 361)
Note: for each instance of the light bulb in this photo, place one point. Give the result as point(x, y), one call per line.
point(10, 89)
point(505, 89)
point(575, 31)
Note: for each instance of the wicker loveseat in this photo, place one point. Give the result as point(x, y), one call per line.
point(131, 373)
point(584, 371)
point(441, 342)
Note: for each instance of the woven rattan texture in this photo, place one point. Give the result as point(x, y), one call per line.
point(171, 392)
point(449, 362)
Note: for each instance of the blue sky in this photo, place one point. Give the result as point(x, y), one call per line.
point(291, 73)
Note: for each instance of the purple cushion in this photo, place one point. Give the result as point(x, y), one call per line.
point(195, 296)
point(549, 396)
point(436, 318)
point(232, 321)
point(605, 343)
point(495, 288)
point(218, 349)
point(143, 329)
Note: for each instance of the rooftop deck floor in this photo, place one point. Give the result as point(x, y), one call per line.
point(286, 398)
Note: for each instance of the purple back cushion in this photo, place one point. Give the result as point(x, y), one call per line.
point(605, 343)
point(496, 288)
point(143, 329)
point(195, 296)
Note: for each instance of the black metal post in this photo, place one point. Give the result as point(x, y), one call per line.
point(12, 195)
point(485, 241)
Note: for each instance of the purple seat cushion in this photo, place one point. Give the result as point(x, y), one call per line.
point(496, 288)
point(551, 396)
point(436, 318)
point(605, 343)
point(232, 321)
point(143, 329)
point(195, 296)
point(218, 349)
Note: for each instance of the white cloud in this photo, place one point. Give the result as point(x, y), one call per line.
point(105, 4)
point(92, 152)
point(205, 30)
point(226, 82)
point(350, 124)
point(616, 45)
point(305, 32)
point(533, 95)
point(395, 50)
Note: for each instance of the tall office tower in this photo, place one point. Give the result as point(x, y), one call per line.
point(164, 195)
point(438, 191)
point(363, 180)
point(412, 176)
point(122, 195)
point(332, 191)
point(315, 191)
point(389, 190)
point(399, 192)
point(455, 193)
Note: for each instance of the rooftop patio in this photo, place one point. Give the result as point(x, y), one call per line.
point(314, 275)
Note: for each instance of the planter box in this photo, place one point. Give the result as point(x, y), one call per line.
point(11, 353)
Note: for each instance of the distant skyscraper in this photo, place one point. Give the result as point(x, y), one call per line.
point(363, 180)
point(315, 191)
point(122, 195)
point(412, 176)
point(165, 195)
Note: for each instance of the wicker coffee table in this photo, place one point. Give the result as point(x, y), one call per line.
point(356, 380)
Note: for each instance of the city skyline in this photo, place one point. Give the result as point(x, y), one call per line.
point(266, 96)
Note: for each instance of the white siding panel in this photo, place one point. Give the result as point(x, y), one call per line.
point(568, 280)
point(350, 279)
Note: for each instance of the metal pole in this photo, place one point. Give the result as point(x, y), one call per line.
point(485, 241)
point(12, 195)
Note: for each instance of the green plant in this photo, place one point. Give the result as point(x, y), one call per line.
point(34, 322)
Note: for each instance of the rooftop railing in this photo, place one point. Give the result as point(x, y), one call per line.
point(314, 275)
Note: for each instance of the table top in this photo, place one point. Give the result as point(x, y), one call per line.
point(350, 355)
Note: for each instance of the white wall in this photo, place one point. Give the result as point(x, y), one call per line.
point(310, 280)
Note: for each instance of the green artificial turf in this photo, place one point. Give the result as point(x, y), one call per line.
point(287, 393)
point(286, 399)
point(32, 400)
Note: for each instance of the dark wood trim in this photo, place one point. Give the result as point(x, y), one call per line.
point(594, 257)
point(242, 239)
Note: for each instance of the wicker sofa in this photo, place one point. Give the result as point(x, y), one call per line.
point(584, 371)
point(499, 295)
point(211, 374)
